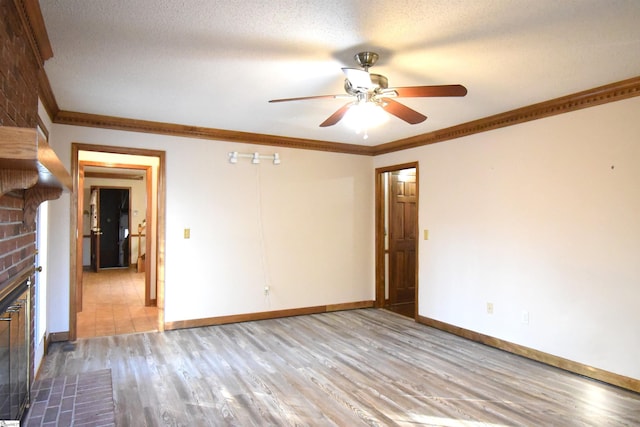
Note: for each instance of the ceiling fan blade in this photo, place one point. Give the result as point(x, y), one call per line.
point(442, 90)
point(403, 112)
point(358, 78)
point(337, 116)
point(302, 98)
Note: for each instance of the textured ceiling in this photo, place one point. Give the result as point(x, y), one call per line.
point(216, 63)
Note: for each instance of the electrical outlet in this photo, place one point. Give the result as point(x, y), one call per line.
point(489, 308)
point(267, 289)
point(525, 317)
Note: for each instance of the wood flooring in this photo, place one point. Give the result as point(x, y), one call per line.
point(360, 367)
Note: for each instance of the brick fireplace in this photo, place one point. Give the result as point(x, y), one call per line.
point(30, 173)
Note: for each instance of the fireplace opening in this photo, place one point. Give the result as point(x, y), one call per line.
point(14, 352)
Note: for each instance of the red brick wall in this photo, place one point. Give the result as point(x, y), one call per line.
point(18, 71)
point(17, 244)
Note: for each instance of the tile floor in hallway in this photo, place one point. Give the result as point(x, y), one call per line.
point(113, 304)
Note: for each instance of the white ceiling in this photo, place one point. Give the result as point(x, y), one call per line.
point(216, 63)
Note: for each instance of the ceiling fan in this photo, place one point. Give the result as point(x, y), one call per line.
point(374, 88)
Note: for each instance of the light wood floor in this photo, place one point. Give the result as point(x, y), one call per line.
point(113, 304)
point(361, 367)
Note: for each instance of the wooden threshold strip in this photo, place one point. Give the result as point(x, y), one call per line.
point(58, 336)
point(530, 353)
point(264, 315)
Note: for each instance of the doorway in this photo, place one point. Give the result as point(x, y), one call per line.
point(111, 163)
point(111, 300)
point(397, 239)
point(110, 228)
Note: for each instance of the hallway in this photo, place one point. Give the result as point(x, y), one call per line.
point(114, 304)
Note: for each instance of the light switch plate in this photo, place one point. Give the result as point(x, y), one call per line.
point(187, 233)
point(426, 234)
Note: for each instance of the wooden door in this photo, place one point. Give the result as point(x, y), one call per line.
point(403, 232)
point(109, 207)
point(110, 240)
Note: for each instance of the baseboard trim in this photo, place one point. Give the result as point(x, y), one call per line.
point(58, 336)
point(45, 352)
point(46, 343)
point(264, 315)
point(539, 356)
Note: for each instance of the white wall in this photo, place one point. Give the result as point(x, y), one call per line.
point(42, 260)
point(542, 217)
point(40, 330)
point(58, 275)
point(304, 227)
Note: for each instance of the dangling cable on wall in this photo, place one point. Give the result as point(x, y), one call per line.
point(263, 249)
point(255, 160)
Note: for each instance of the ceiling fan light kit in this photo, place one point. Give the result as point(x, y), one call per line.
point(364, 116)
point(373, 96)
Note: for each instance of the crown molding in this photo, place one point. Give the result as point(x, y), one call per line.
point(119, 123)
point(600, 95)
point(33, 23)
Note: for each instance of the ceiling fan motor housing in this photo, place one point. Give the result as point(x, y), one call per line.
point(366, 59)
point(377, 80)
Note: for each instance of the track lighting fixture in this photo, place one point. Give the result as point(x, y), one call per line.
point(255, 157)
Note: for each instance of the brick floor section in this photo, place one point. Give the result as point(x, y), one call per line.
point(79, 400)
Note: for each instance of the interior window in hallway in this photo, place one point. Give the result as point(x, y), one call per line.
point(114, 304)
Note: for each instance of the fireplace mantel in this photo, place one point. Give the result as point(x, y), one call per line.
point(27, 162)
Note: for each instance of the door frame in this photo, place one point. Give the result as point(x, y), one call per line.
point(148, 216)
point(77, 173)
point(380, 250)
